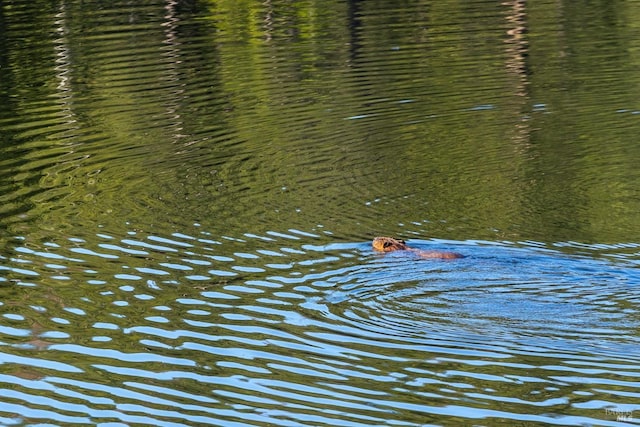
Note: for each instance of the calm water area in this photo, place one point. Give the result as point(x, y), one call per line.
point(189, 190)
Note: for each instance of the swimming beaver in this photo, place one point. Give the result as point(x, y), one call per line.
point(389, 244)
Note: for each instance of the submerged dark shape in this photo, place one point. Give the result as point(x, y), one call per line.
point(390, 244)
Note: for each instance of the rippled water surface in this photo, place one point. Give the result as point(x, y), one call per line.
point(189, 189)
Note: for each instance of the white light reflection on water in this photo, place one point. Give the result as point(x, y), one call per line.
point(512, 332)
point(188, 190)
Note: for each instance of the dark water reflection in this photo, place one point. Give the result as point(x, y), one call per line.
point(188, 191)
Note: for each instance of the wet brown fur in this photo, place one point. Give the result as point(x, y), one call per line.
point(389, 244)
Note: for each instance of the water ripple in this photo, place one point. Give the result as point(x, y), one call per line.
point(187, 193)
point(342, 332)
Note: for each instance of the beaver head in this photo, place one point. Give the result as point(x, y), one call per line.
point(388, 244)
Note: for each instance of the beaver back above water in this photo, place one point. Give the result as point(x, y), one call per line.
point(389, 244)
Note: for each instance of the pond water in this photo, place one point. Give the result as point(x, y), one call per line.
point(189, 189)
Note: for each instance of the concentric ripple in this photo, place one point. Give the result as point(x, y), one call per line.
point(188, 190)
point(285, 328)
